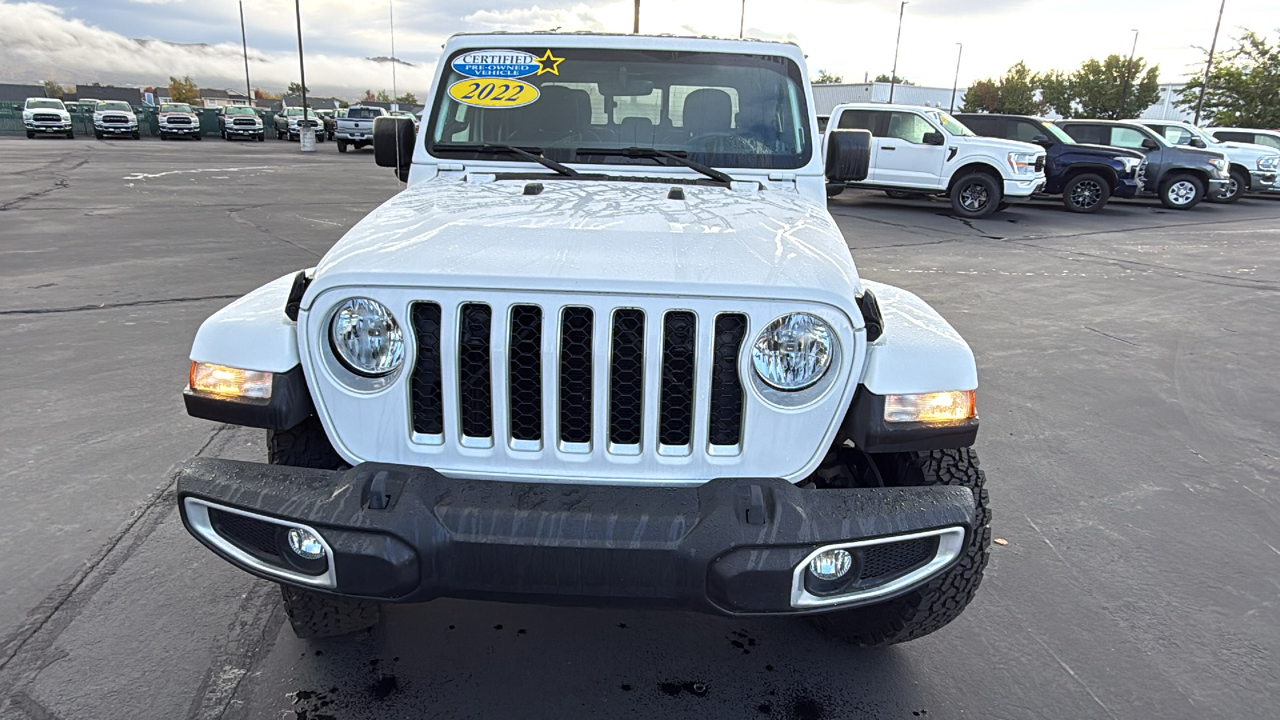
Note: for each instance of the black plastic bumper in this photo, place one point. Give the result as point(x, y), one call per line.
point(729, 546)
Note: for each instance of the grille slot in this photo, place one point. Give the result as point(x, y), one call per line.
point(679, 341)
point(626, 377)
point(880, 562)
point(428, 400)
point(256, 537)
point(524, 373)
point(726, 388)
point(576, 335)
point(475, 384)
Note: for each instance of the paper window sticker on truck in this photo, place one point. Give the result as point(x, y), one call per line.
point(493, 92)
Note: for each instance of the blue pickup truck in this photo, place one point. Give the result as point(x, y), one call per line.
point(1086, 176)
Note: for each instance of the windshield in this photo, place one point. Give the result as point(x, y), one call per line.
point(720, 109)
point(240, 111)
point(297, 112)
point(364, 113)
point(175, 107)
point(1058, 133)
point(118, 105)
point(45, 104)
point(950, 124)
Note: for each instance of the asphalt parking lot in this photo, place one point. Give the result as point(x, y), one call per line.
point(1130, 408)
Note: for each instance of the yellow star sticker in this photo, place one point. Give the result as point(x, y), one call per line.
point(554, 64)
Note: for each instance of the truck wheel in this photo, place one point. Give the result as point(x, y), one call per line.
point(1236, 187)
point(317, 615)
point(71, 134)
point(31, 135)
point(1086, 193)
point(314, 614)
point(941, 600)
point(262, 136)
point(1181, 191)
point(137, 135)
point(97, 134)
point(197, 136)
point(342, 146)
point(975, 195)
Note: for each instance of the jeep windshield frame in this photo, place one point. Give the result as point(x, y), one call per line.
point(718, 109)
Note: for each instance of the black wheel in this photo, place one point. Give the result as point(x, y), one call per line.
point(71, 134)
point(1234, 190)
point(97, 134)
point(197, 136)
point(315, 614)
point(137, 135)
point(31, 135)
point(163, 136)
point(262, 136)
point(904, 195)
point(941, 600)
point(1086, 193)
point(975, 195)
point(1181, 191)
point(342, 146)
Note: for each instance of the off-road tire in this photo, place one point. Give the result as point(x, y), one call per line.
point(1235, 191)
point(1086, 193)
point(314, 614)
point(941, 600)
point(972, 206)
point(317, 615)
point(1172, 190)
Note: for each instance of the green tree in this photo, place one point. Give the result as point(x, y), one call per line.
point(883, 77)
point(1244, 85)
point(295, 88)
point(52, 89)
point(384, 96)
point(1097, 87)
point(826, 77)
point(1056, 92)
point(184, 90)
point(982, 96)
point(408, 98)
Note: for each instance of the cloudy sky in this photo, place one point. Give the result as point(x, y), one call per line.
point(92, 40)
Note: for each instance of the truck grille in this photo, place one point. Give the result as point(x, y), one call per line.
point(115, 119)
point(538, 340)
point(242, 121)
point(1040, 163)
point(46, 117)
point(178, 121)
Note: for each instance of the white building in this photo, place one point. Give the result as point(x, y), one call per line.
point(1164, 109)
point(827, 96)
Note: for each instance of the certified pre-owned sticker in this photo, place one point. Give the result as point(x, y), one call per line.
point(493, 92)
point(496, 63)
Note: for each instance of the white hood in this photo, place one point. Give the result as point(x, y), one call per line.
point(1000, 144)
point(600, 237)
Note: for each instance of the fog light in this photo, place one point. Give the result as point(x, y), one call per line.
point(831, 564)
point(305, 544)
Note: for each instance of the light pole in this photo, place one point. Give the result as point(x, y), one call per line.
point(303, 122)
point(742, 19)
point(1204, 85)
point(1128, 71)
point(956, 83)
point(391, 13)
point(635, 28)
point(893, 77)
point(248, 91)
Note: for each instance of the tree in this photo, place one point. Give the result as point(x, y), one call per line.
point(184, 90)
point(343, 104)
point(1097, 87)
point(52, 89)
point(408, 99)
point(369, 96)
point(295, 89)
point(260, 94)
point(884, 78)
point(1056, 93)
point(383, 96)
point(1244, 85)
point(826, 77)
point(1014, 93)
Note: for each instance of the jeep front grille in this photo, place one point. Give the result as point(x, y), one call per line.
point(553, 349)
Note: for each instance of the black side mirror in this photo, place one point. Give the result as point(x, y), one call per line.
point(393, 144)
point(1042, 141)
point(848, 155)
point(1198, 143)
point(1149, 144)
point(933, 138)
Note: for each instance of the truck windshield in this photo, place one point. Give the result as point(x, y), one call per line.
point(45, 105)
point(175, 107)
point(1058, 133)
point(240, 111)
point(117, 105)
point(950, 124)
point(718, 109)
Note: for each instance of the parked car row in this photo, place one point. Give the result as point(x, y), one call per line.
point(983, 162)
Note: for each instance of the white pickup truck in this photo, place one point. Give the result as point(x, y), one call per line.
point(917, 151)
point(608, 347)
point(355, 128)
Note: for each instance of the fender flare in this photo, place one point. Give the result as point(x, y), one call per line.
point(252, 333)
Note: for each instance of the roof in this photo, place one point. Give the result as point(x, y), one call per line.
point(626, 42)
point(20, 93)
point(641, 36)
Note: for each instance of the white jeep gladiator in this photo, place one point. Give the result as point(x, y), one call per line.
point(608, 347)
point(918, 151)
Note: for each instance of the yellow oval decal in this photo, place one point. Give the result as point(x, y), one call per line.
point(493, 92)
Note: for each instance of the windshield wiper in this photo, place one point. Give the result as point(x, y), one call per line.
point(534, 154)
point(654, 153)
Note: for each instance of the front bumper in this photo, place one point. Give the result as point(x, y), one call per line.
point(113, 129)
point(48, 127)
point(1217, 186)
point(1127, 188)
point(1019, 190)
point(1262, 181)
point(731, 546)
point(180, 129)
point(244, 130)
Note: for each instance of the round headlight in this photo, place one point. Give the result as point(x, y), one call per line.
point(366, 337)
point(793, 352)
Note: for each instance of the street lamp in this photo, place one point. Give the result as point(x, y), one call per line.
point(304, 126)
point(956, 82)
point(1204, 84)
point(893, 77)
point(742, 19)
point(244, 43)
point(1128, 71)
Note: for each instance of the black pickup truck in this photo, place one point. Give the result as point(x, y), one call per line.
point(1086, 176)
